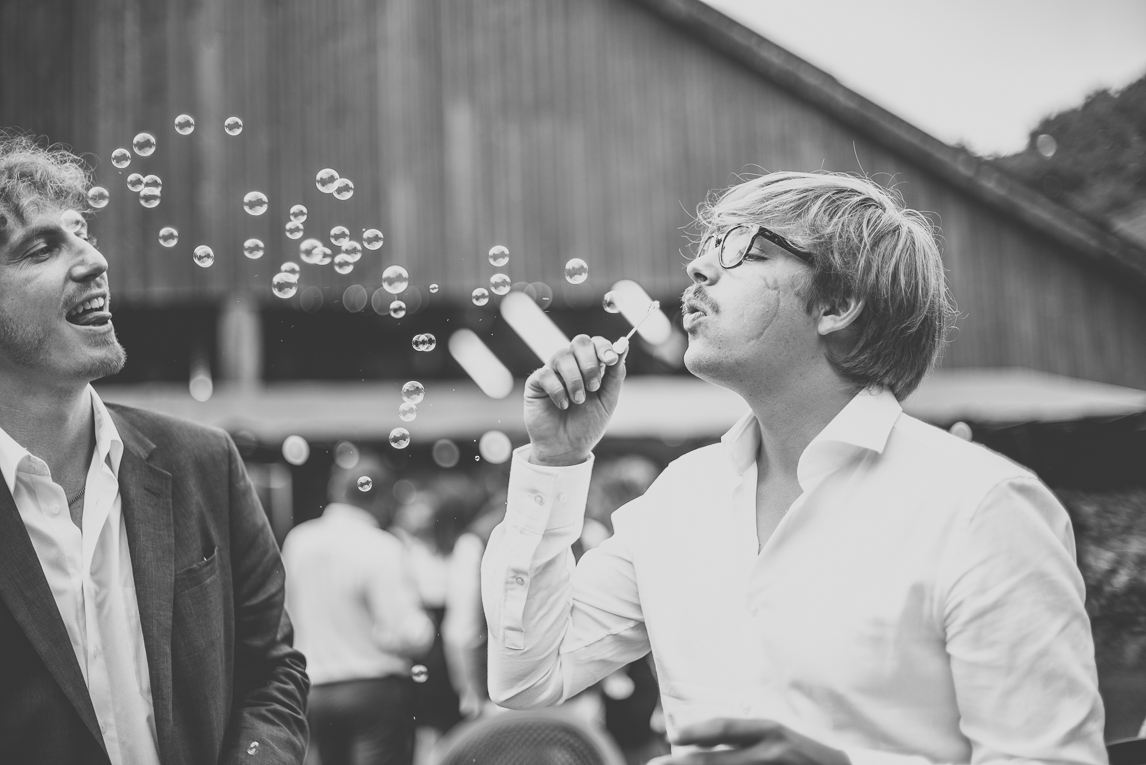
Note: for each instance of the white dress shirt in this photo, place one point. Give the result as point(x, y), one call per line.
point(352, 598)
point(89, 572)
point(919, 602)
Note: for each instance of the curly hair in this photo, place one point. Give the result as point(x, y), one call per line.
point(867, 245)
point(33, 177)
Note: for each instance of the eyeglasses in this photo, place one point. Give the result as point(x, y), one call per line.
point(736, 242)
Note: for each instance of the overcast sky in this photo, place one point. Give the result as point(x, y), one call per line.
point(979, 71)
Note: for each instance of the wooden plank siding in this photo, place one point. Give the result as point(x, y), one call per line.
point(560, 128)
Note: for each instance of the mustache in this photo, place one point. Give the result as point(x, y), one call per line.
point(696, 294)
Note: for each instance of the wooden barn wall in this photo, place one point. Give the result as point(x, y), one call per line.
point(560, 128)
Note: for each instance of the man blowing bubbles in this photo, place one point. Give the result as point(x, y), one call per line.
point(834, 581)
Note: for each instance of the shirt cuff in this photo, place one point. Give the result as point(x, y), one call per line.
point(545, 498)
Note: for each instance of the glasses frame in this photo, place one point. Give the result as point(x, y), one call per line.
point(764, 232)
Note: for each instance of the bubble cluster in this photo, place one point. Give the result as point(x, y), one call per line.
point(343, 264)
point(144, 144)
point(203, 256)
point(298, 213)
point(365, 483)
point(407, 411)
point(289, 267)
point(419, 673)
point(284, 284)
point(325, 180)
point(121, 158)
point(255, 202)
point(399, 438)
point(150, 197)
point(135, 182)
point(253, 248)
point(395, 279)
point(293, 229)
point(499, 283)
point(233, 126)
point(339, 235)
point(352, 250)
point(413, 392)
point(153, 181)
point(498, 256)
point(307, 248)
point(433, 289)
point(184, 124)
point(372, 238)
point(168, 237)
point(296, 450)
point(576, 271)
point(424, 342)
point(322, 255)
point(480, 296)
point(397, 309)
point(343, 188)
point(98, 197)
point(612, 302)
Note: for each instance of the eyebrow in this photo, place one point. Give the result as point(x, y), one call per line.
point(44, 230)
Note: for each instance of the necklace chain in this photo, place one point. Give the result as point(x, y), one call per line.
point(78, 497)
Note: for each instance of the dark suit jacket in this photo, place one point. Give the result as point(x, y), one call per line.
point(210, 586)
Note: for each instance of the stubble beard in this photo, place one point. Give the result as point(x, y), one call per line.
point(27, 347)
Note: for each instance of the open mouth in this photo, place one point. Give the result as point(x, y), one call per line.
point(90, 313)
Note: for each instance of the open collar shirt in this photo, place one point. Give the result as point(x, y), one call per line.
point(918, 603)
point(89, 572)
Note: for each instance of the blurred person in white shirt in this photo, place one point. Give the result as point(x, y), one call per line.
point(358, 619)
point(835, 581)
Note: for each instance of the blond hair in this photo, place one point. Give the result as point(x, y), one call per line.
point(867, 246)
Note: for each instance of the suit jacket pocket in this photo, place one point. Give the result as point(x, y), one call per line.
point(198, 573)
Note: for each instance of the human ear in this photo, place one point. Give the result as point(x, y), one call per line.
point(839, 315)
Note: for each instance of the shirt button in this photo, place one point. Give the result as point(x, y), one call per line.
point(520, 580)
point(562, 497)
point(539, 499)
point(55, 509)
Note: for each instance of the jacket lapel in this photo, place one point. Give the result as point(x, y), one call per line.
point(145, 496)
point(25, 590)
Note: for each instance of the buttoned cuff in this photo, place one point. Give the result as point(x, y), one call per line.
point(543, 498)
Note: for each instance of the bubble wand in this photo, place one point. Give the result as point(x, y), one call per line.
point(622, 344)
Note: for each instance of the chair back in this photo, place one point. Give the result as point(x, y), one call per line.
point(542, 737)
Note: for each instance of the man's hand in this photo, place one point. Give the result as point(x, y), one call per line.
point(754, 742)
point(568, 402)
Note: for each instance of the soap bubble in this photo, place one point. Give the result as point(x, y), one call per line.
point(255, 202)
point(400, 438)
point(343, 188)
point(365, 483)
point(445, 453)
point(121, 158)
point(135, 182)
point(352, 250)
point(184, 124)
point(73, 220)
point(433, 288)
point(153, 182)
point(233, 126)
point(322, 255)
point(413, 392)
point(613, 302)
point(284, 285)
point(293, 229)
point(296, 450)
point(1046, 144)
point(298, 213)
point(395, 279)
point(424, 343)
point(290, 267)
point(204, 256)
point(407, 411)
point(168, 237)
point(253, 748)
point(306, 250)
point(499, 283)
point(419, 673)
point(253, 249)
point(495, 447)
point(325, 180)
point(498, 256)
point(98, 197)
point(397, 309)
point(480, 296)
point(372, 238)
point(576, 271)
point(343, 264)
point(150, 197)
point(144, 144)
point(355, 298)
point(345, 455)
point(339, 235)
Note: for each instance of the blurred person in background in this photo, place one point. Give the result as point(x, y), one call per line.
point(146, 623)
point(835, 581)
point(359, 620)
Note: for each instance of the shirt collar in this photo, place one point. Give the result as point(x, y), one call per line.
point(11, 455)
point(863, 424)
point(342, 511)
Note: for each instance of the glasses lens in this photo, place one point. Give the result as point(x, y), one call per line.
point(736, 244)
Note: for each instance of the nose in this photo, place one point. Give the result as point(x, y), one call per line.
point(90, 263)
point(704, 269)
